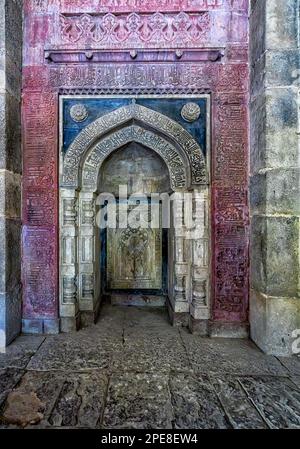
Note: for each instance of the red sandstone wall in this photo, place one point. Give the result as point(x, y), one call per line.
point(56, 37)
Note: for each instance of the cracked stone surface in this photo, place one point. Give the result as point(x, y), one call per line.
point(132, 370)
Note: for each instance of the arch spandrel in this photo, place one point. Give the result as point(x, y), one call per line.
point(184, 144)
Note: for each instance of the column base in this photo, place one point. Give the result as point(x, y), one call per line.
point(88, 319)
point(41, 326)
point(70, 324)
point(199, 327)
point(177, 318)
point(219, 329)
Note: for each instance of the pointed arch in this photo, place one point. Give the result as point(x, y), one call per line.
point(183, 144)
point(177, 164)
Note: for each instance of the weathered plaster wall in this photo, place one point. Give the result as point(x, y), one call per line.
point(10, 169)
point(275, 181)
point(62, 55)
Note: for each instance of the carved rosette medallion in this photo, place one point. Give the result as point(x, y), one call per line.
point(191, 112)
point(79, 113)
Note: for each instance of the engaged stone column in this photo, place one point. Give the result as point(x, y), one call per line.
point(89, 284)
point(69, 304)
point(199, 309)
point(275, 182)
point(10, 169)
point(179, 294)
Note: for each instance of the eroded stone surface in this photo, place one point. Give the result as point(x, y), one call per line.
point(239, 410)
point(138, 401)
point(77, 352)
point(81, 401)
point(292, 364)
point(162, 355)
point(278, 400)
point(8, 380)
point(133, 370)
point(229, 356)
point(195, 403)
point(19, 353)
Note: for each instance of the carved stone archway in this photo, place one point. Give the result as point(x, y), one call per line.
point(80, 283)
point(184, 144)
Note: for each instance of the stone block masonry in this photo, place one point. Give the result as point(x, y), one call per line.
point(275, 170)
point(10, 169)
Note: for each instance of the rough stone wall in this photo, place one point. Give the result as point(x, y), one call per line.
point(10, 169)
point(63, 53)
point(275, 182)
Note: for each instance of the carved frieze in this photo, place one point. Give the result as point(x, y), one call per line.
point(135, 30)
point(148, 78)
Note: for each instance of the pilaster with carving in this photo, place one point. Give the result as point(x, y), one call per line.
point(89, 254)
point(69, 273)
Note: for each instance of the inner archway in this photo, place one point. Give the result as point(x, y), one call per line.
point(147, 153)
point(143, 278)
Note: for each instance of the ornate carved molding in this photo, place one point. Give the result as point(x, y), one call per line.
point(136, 30)
point(144, 5)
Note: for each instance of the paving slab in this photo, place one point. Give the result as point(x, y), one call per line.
point(229, 356)
point(277, 399)
point(195, 403)
point(240, 411)
point(152, 354)
point(134, 370)
point(19, 353)
point(69, 399)
point(138, 401)
point(9, 378)
point(81, 401)
point(75, 353)
point(292, 364)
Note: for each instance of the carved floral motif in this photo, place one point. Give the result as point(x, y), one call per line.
point(191, 112)
point(78, 113)
point(136, 30)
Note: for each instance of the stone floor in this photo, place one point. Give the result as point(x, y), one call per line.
point(133, 370)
